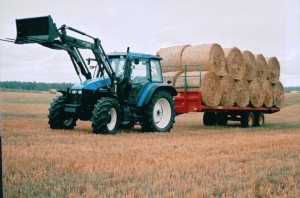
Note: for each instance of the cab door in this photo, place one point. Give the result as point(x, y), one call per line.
point(140, 77)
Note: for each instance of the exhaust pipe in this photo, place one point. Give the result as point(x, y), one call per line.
point(36, 30)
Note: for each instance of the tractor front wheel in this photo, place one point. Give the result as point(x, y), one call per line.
point(58, 119)
point(106, 116)
point(159, 113)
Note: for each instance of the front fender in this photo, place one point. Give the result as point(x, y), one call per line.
point(150, 89)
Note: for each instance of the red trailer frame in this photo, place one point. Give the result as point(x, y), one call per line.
point(190, 101)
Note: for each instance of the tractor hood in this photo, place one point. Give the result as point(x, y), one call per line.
point(93, 84)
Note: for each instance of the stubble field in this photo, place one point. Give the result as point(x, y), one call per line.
point(191, 161)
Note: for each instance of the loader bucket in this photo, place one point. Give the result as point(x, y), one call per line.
point(36, 30)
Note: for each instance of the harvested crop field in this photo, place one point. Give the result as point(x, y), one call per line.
point(192, 160)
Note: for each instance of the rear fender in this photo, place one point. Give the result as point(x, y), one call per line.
point(150, 89)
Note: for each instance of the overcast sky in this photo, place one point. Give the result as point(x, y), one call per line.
point(269, 27)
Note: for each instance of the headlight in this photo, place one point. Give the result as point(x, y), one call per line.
point(74, 91)
point(79, 92)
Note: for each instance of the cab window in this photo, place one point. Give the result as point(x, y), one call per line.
point(139, 71)
point(156, 71)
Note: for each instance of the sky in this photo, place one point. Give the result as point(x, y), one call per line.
point(268, 27)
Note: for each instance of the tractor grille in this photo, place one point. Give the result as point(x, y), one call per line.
point(75, 97)
point(88, 97)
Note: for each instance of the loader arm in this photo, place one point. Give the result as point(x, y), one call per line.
point(43, 31)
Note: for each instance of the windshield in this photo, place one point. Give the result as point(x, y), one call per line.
point(118, 66)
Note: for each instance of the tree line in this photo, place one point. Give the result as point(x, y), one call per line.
point(33, 86)
point(40, 86)
point(293, 88)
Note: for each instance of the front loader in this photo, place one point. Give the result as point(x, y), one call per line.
point(126, 89)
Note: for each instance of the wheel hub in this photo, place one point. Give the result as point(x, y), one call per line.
point(68, 121)
point(111, 119)
point(108, 119)
point(162, 113)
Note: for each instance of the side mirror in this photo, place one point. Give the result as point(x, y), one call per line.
point(169, 81)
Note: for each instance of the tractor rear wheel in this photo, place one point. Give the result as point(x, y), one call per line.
point(58, 119)
point(106, 116)
point(159, 113)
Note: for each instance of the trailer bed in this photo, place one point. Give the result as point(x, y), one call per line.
point(190, 101)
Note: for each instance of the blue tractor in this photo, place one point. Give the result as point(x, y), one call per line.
point(126, 88)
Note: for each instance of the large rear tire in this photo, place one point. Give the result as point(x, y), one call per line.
point(159, 113)
point(106, 116)
point(58, 119)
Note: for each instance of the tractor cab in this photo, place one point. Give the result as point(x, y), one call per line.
point(143, 69)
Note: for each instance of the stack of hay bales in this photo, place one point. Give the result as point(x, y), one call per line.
point(226, 77)
point(207, 63)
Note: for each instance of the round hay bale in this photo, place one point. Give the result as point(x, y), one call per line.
point(261, 66)
point(235, 63)
point(210, 56)
point(278, 94)
point(52, 91)
point(228, 93)
point(208, 82)
point(171, 57)
point(211, 89)
point(256, 93)
point(273, 69)
point(193, 80)
point(172, 76)
point(250, 63)
point(241, 88)
point(268, 91)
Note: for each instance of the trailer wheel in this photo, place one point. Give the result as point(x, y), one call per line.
point(105, 119)
point(58, 119)
point(159, 114)
point(222, 119)
point(259, 119)
point(247, 120)
point(209, 118)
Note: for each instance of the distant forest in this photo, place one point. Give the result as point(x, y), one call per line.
point(289, 89)
point(33, 86)
point(40, 86)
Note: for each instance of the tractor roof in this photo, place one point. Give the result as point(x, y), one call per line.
point(134, 54)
